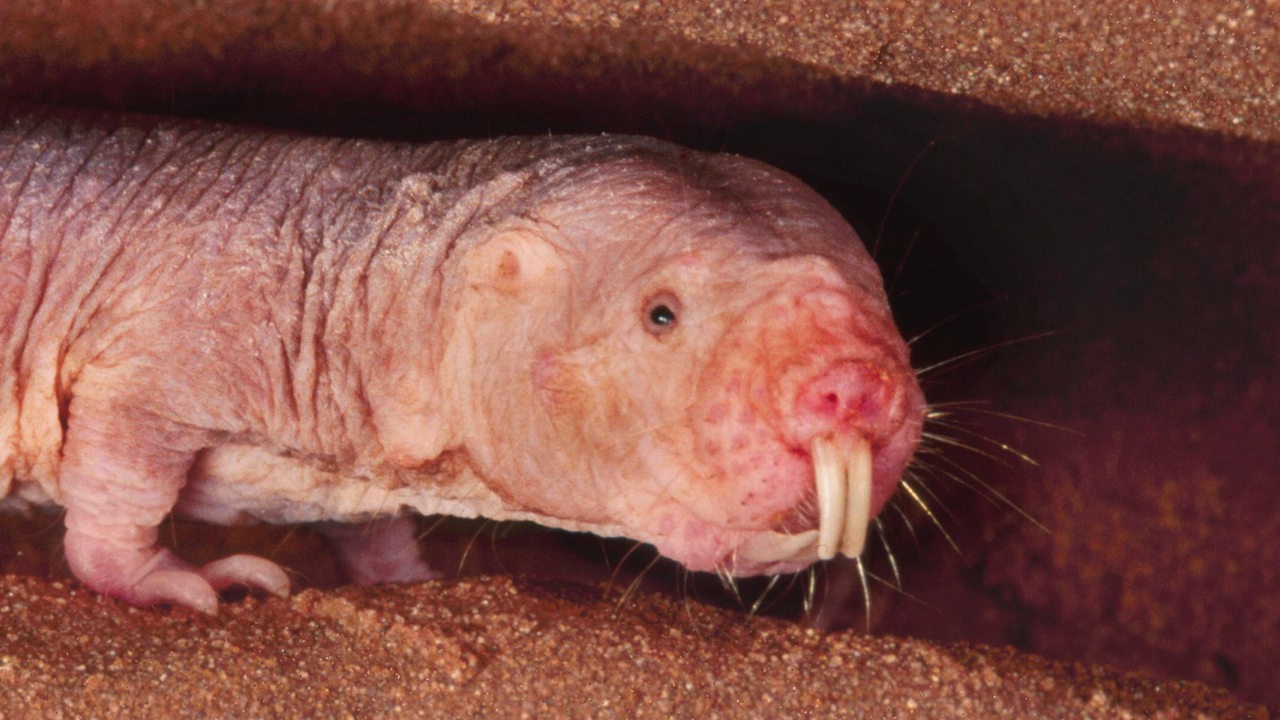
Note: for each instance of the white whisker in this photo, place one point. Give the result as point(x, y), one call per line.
point(811, 588)
point(909, 488)
point(888, 551)
point(976, 407)
point(462, 561)
point(613, 576)
point(866, 591)
point(755, 606)
point(893, 198)
point(972, 354)
point(951, 318)
point(631, 588)
point(1002, 446)
point(966, 478)
point(936, 439)
point(896, 503)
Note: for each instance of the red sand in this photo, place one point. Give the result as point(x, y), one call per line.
point(520, 648)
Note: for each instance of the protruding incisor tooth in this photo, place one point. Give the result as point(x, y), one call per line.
point(829, 477)
point(772, 547)
point(857, 507)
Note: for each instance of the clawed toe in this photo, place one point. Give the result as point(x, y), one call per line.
point(247, 570)
point(177, 587)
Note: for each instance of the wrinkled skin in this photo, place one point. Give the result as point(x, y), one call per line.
point(599, 333)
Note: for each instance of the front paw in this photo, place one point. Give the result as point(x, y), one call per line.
point(378, 551)
point(152, 576)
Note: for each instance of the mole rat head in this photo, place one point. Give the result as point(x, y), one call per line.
point(693, 351)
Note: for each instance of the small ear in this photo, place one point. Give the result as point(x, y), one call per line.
point(511, 262)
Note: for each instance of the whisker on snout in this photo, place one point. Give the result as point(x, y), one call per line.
point(940, 439)
point(913, 340)
point(909, 487)
point(966, 478)
point(896, 503)
point(961, 437)
point(893, 199)
point(950, 414)
point(939, 460)
point(958, 360)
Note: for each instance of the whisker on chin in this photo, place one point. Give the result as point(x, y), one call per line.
point(888, 551)
point(462, 561)
point(810, 590)
point(634, 585)
point(686, 599)
point(284, 540)
point(613, 576)
point(730, 583)
point(866, 590)
point(755, 606)
point(821, 617)
point(896, 503)
point(496, 531)
point(431, 528)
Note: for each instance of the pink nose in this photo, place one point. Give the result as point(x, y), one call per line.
point(849, 396)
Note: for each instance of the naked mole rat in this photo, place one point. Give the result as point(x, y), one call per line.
point(601, 333)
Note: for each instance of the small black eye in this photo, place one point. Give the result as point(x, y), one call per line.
point(661, 313)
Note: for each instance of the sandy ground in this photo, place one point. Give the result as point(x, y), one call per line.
point(520, 648)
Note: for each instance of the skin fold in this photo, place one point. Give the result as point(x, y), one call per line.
point(609, 334)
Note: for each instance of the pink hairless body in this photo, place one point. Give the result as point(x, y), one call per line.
point(607, 334)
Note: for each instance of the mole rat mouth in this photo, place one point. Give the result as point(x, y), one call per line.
point(842, 470)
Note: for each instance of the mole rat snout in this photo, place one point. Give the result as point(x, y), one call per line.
point(850, 401)
point(849, 396)
point(817, 415)
point(850, 412)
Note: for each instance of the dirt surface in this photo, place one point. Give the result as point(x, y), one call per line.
point(1204, 65)
point(484, 648)
point(1108, 171)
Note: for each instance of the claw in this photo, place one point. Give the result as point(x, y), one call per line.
point(176, 587)
point(247, 570)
